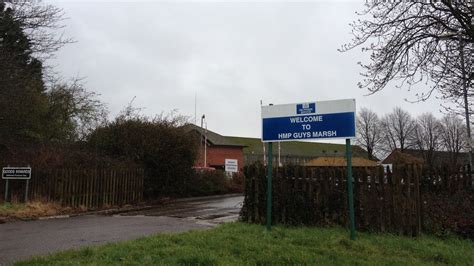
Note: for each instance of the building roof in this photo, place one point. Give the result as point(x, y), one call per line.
point(341, 161)
point(254, 146)
point(212, 137)
point(396, 156)
point(439, 157)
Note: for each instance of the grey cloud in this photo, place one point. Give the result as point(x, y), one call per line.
point(231, 54)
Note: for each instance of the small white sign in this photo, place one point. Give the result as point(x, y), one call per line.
point(231, 165)
point(16, 173)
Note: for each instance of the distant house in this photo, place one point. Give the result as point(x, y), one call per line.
point(217, 148)
point(435, 158)
point(339, 161)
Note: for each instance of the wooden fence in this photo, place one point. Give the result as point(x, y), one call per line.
point(90, 188)
point(318, 196)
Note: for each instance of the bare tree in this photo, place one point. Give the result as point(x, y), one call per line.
point(451, 78)
point(414, 41)
point(426, 136)
point(453, 135)
point(369, 132)
point(74, 112)
point(398, 128)
point(41, 23)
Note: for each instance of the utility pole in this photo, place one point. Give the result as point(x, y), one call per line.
point(205, 147)
point(202, 129)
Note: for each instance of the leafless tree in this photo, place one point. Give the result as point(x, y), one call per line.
point(451, 78)
point(369, 132)
point(398, 128)
point(413, 42)
point(41, 23)
point(427, 136)
point(74, 111)
point(453, 135)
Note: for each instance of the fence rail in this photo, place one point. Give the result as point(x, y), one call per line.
point(88, 188)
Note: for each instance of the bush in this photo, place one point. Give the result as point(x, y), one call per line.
point(50, 156)
point(444, 214)
point(207, 183)
point(160, 145)
point(203, 183)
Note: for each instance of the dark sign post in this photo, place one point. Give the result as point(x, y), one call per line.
point(269, 186)
point(313, 120)
point(350, 192)
point(16, 173)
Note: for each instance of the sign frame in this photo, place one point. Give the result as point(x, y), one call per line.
point(15, 175)
point(317, 120)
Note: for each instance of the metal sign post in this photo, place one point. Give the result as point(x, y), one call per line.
point(26, 189)
point(6, 191)
point(349, 188)
point(269, 186)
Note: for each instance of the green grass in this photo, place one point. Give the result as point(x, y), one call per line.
point(239, 243)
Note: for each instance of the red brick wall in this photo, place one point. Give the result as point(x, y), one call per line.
point(216, 155)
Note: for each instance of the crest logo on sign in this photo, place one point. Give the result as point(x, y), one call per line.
point(306, 108)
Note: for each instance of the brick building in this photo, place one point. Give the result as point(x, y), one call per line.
point(217, 149)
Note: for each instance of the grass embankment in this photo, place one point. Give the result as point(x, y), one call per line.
point(239, 243)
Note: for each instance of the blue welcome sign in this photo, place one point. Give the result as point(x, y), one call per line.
point(313, 120)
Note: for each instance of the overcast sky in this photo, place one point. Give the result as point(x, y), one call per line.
point(231, 54)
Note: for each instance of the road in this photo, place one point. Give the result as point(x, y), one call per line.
point(20, 240)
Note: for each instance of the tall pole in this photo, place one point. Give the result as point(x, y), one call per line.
point(349, 188)
point(279, 154)
point(269, 186)
point(205, 147)
point(466, 104)
point(202, 137)
point(195, 108)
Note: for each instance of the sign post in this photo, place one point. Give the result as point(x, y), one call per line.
point(349, 188)
point(6, 191)
point(269, 186)
point(313, 120)
point(16, 173)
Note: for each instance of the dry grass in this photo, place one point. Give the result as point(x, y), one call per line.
point(29, 210)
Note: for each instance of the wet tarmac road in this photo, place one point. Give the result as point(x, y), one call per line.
point(205, 210)
point(20, 240)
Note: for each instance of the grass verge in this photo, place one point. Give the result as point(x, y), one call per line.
point(29, 210)
point(240, 243)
